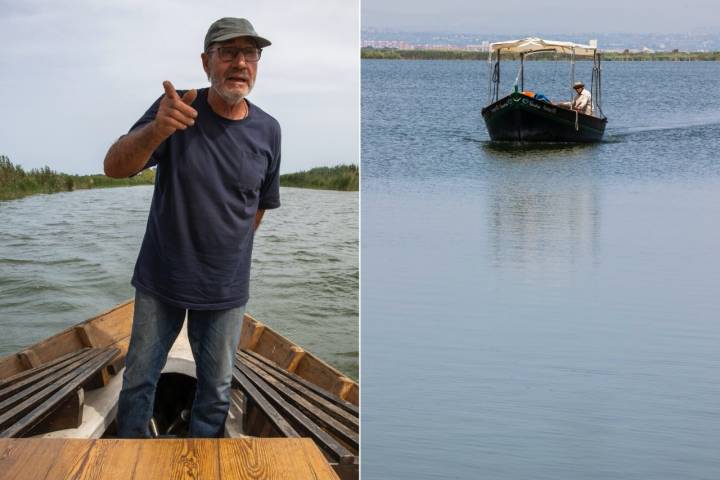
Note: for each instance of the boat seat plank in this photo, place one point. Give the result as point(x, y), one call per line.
point(327, 406)
point(207, 459)
point(24, 388)
point(68, 414)
point(312, 412)
point(22, 417)
point(309, 385)
point(57, 363)
point(326, 441)
point(274, 416)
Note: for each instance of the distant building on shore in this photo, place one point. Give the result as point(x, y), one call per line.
point(401, 45)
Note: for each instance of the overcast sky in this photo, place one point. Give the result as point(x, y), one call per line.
point(76, 75)
point(546, 16)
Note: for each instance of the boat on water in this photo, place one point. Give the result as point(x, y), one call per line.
point(67, 387)
point(526, 116)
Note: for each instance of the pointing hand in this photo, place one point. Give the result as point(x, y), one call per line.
point(175, 113)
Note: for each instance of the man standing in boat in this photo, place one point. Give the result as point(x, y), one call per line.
point(583, 101)
point(218, 162)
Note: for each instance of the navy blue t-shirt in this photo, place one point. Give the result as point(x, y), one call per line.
point(211, 179)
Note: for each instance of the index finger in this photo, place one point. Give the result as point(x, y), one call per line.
point(170, 89)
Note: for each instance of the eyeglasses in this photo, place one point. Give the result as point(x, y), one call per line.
point(228, 54)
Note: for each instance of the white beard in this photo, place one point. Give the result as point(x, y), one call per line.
point(231, 98)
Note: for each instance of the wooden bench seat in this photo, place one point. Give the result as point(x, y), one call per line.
point(29, 398)
point(299, 408)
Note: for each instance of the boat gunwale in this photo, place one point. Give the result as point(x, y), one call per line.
point(485, 110)
point(85, 333)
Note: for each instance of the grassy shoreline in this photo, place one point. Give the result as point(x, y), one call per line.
point(394, 54)
point(345, 178)
point(15, 182)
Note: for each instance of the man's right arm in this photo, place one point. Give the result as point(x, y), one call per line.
point(131, 152)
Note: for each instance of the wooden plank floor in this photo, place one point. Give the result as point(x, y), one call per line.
point(240, 458)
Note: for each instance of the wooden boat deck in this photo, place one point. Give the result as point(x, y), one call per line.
point(242, 458)
point(89, 413)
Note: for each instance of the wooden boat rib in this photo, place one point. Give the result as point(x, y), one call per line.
point(301, 379)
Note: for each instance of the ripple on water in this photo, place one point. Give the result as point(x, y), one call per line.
point(540, 306)
point(64, 258)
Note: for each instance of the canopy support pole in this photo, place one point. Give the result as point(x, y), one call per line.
point(572, 73)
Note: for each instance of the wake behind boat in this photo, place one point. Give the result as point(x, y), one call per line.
point(525, 116)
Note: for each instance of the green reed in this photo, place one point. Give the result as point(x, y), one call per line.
point(341, 177)
point(15, 182)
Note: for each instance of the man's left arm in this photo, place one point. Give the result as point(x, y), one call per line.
point(258, 217)
point(270, 188)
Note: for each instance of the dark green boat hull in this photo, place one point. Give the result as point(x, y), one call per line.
point(519, 118)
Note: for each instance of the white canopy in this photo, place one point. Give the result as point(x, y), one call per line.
point(534, 44)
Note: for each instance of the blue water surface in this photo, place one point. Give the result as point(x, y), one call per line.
point(540, 312)
point(69, 256)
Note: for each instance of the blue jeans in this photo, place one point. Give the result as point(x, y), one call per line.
point(214, 336)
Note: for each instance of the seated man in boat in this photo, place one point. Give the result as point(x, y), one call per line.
point(218, 161)
point(582, 102)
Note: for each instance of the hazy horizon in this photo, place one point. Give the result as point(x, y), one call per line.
point(555, 16)
point(698, 32)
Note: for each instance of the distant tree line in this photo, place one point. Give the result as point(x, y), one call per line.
point(341, 177)
point(15, 182)
point(395, 54)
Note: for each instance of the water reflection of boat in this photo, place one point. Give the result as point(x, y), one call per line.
point(545, 227)
point(67, 386)
point(526, 117)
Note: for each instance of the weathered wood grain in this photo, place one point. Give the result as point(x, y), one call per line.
point(19, 420)
point(323, 439)
point(178, 459)
point(327, 406)
point(104, 459)
point(166, 459)
point(36, 459)
point(54, 364)
point(68, 414)
point(273, 415)
point(352, 408)
point(317, 415)
point(24, 388)
point(273, 459)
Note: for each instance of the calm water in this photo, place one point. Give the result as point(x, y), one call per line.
point(544, 313)
point(69, 256)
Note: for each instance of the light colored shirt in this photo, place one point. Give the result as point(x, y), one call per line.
point(583, 102)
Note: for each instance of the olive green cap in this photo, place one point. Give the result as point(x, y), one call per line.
point(228, 28)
